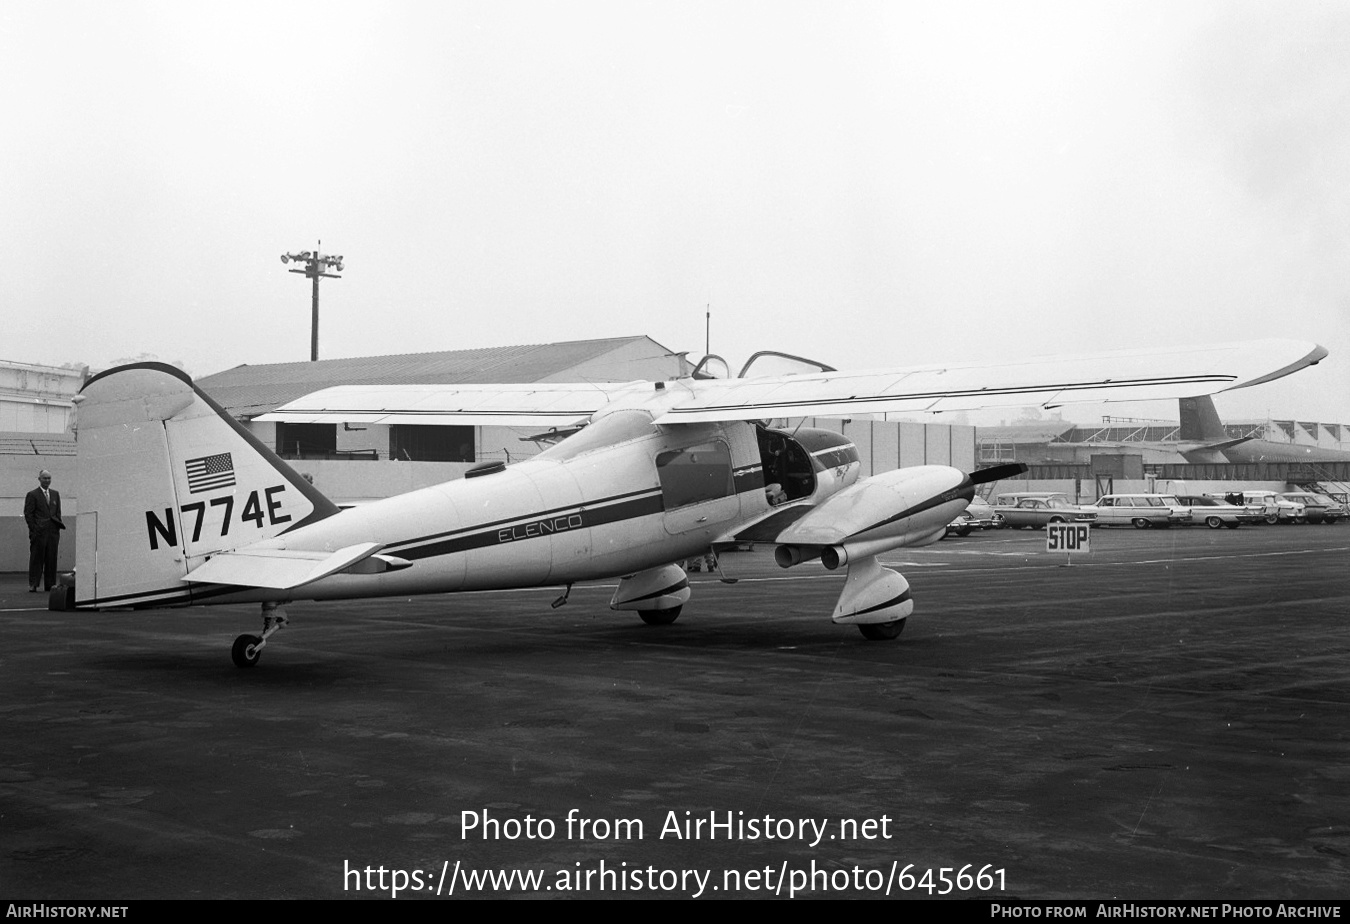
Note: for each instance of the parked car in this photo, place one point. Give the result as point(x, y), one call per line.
point(977, 515)
point(1141, 511)
point(1215, 513)
point(1274, 509)
point(1316, 508)
point(1034, 509)
point(1337, 502)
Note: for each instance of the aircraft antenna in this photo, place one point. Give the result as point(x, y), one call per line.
point(707, 329)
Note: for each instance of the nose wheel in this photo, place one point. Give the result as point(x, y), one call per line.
point(248, 648)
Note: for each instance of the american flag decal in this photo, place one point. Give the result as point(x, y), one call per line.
point(210, 472)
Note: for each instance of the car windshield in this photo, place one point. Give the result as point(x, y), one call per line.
point(1059, 503)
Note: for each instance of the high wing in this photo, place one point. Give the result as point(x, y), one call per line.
point(1047, 381)
point(537, 405)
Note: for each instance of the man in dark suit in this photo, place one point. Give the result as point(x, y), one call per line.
point(42, 512)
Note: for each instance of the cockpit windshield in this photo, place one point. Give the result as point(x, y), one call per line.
point(712, 366)
point(768, 362)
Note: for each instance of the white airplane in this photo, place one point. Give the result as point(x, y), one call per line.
point(180, 505)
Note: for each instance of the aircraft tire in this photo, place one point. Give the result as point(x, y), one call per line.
point(882, 631)
point(241, 654)
point(660, 617)
point(1213, 522)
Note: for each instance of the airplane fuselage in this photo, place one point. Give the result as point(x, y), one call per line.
point(622, 496)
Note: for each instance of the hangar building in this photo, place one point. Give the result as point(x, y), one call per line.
point(356, 463)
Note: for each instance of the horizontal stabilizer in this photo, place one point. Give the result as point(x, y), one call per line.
point(281, 569)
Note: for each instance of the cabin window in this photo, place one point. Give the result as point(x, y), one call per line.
point(431, 443)
point(695, 474)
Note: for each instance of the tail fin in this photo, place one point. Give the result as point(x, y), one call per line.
point(168, 478)
point(1200, 421)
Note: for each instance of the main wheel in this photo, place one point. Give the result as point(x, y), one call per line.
point(1140, 523)
point(660, 617)
point(244, 653)
point(882, 631)
point(1213, 522)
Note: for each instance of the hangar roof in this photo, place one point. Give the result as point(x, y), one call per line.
point(247, 391)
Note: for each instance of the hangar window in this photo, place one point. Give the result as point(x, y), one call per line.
point(428, 443)
point(695, 474)
point(306, 441)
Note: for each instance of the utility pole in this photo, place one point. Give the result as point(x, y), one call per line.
point(315, 264)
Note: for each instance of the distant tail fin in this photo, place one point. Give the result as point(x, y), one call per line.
point(168, 478)
point(1200, 421)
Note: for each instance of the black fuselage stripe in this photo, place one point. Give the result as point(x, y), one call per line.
point(534, 515)
point(536, 526)
point(165, 596)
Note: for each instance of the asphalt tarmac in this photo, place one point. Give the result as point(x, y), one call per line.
point(1165, 717)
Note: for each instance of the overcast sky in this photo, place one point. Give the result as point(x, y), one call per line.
point(870, 184)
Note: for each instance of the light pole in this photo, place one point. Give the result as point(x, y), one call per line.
point(315, 264)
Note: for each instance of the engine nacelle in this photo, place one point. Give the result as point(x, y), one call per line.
point(905, 507)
